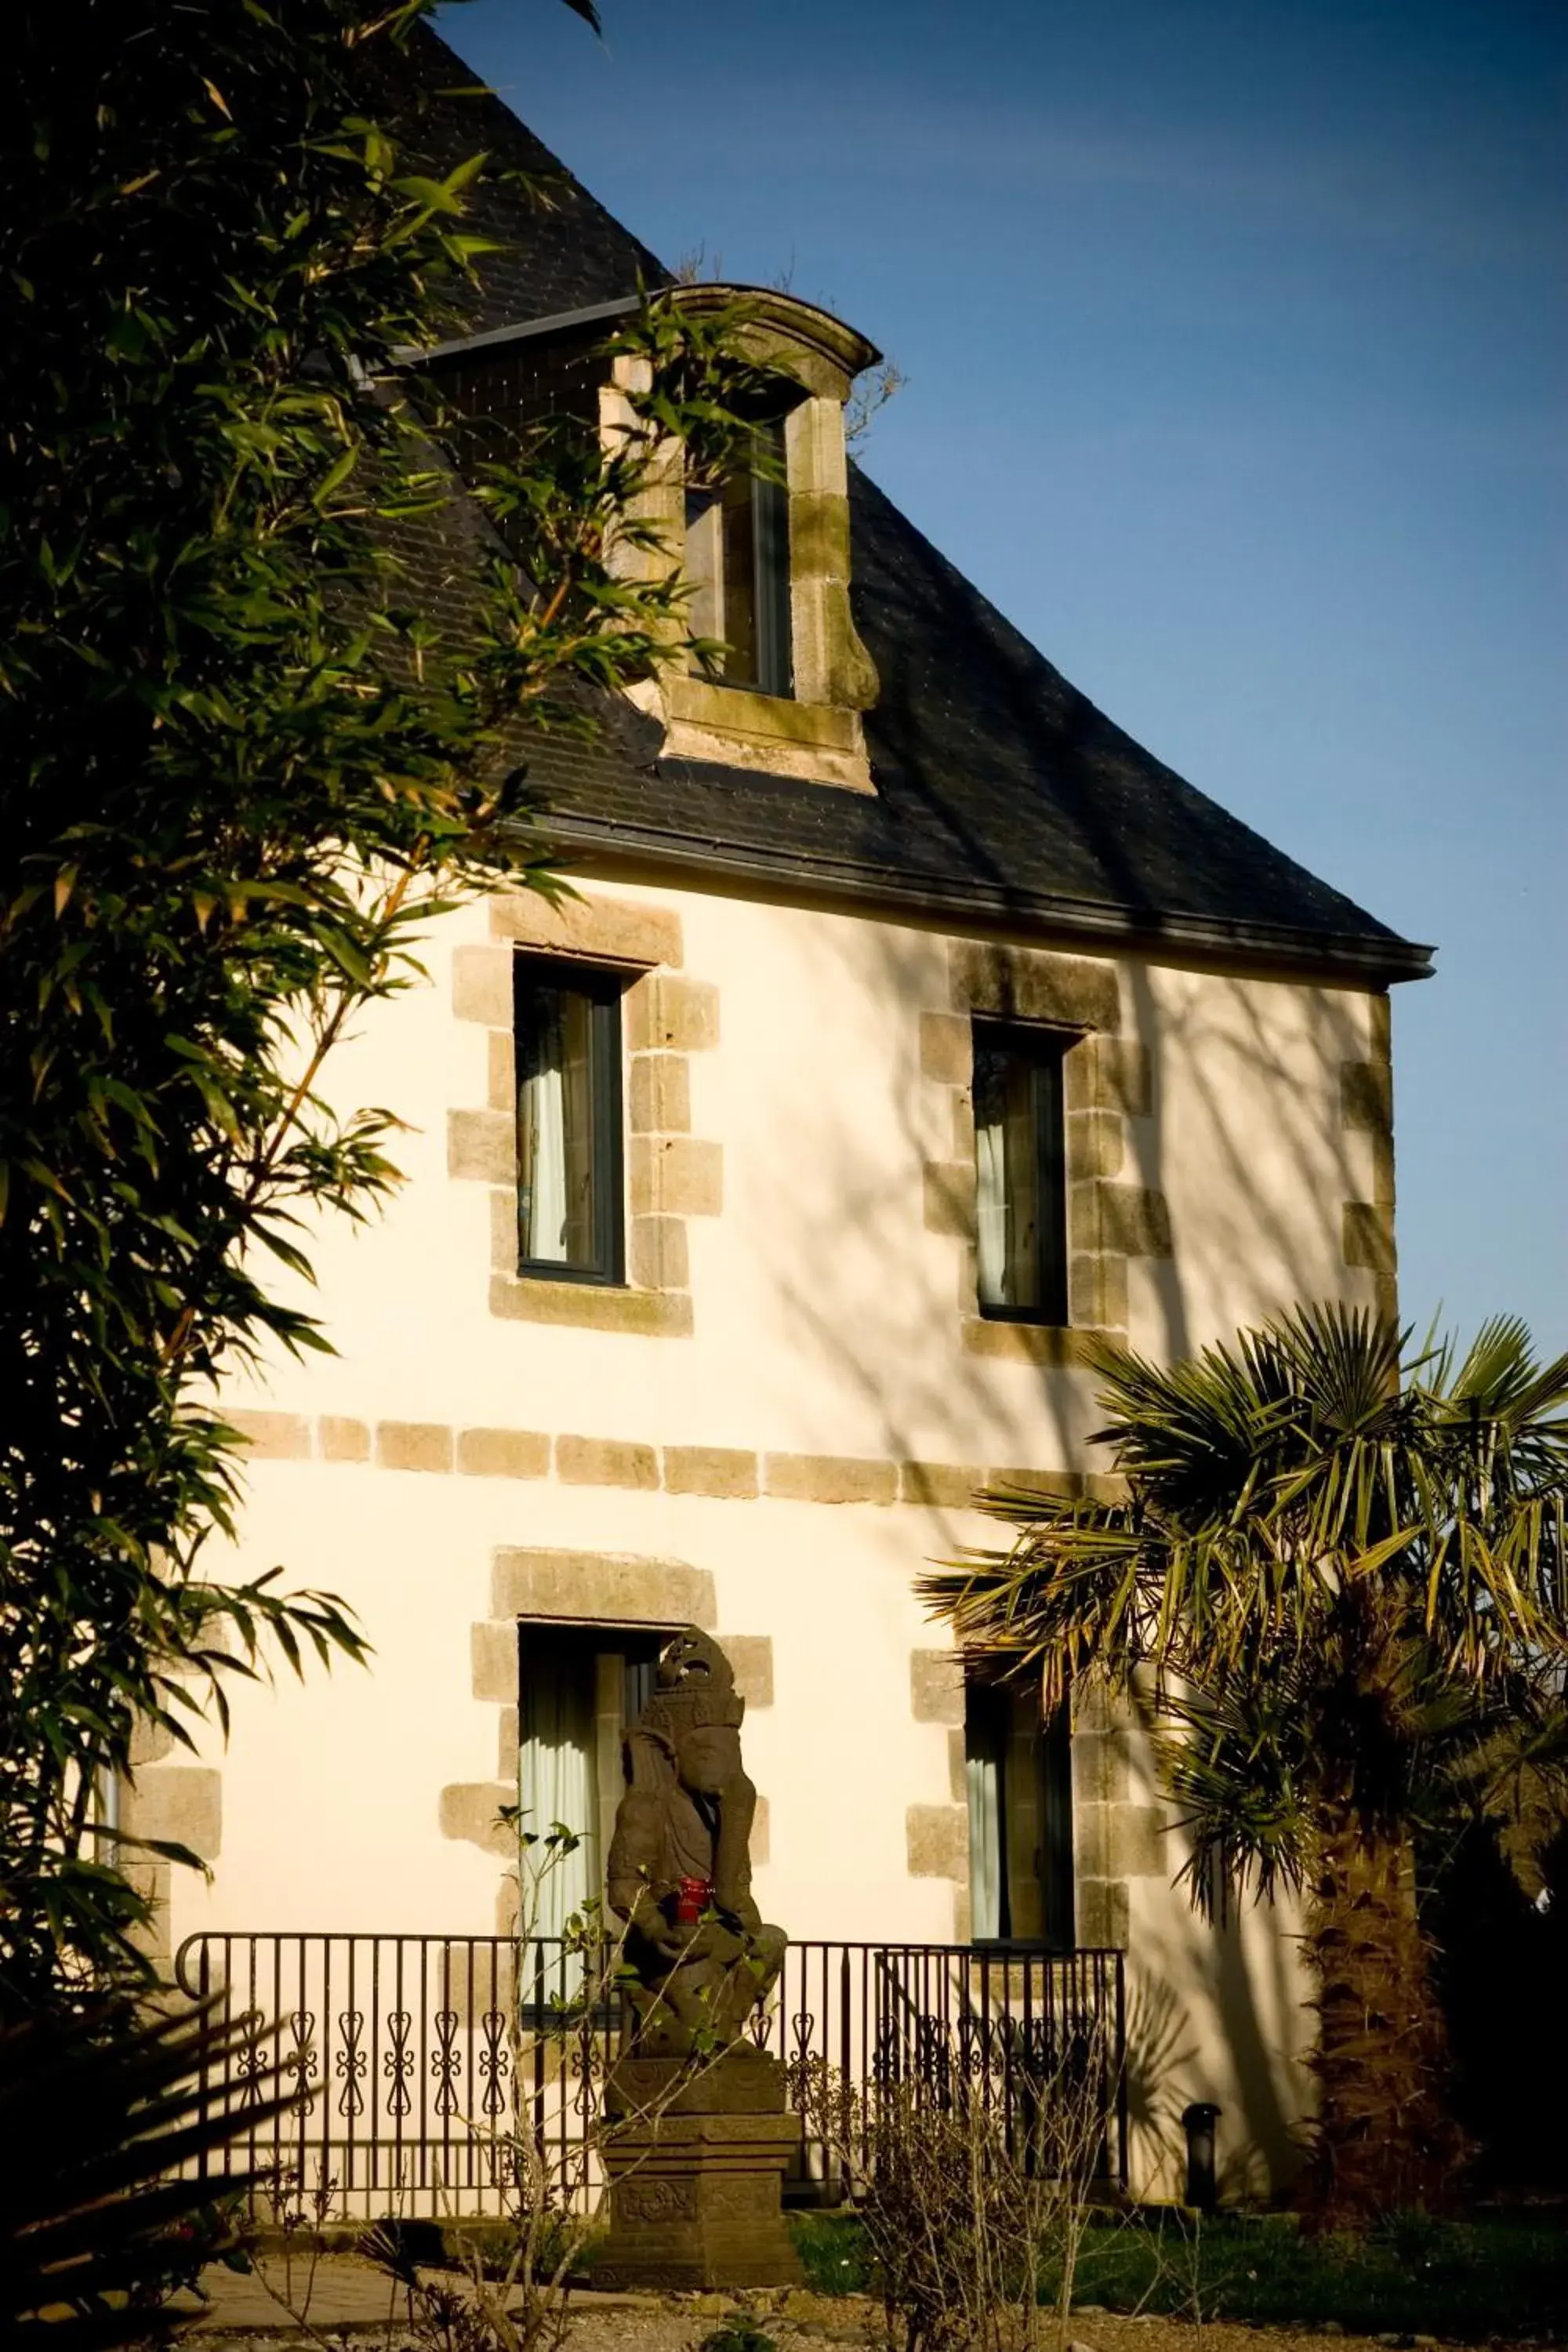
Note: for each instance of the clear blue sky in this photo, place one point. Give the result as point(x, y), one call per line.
point(1235, 339)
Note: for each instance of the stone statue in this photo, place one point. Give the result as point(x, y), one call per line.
point(679, 1870)
point(696, 2131)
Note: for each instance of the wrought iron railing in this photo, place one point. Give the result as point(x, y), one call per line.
point(414, 2060)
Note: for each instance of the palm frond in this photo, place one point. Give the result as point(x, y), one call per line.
point(1498, 1367)
point(1303, 1513)
point(98, 2114)
point(1342, 1363)
point(1236, 1764)
point(1516, 1777)
point(1073, 1599)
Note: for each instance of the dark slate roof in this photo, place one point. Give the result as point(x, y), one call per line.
point(1003, 798)
point(564, 253)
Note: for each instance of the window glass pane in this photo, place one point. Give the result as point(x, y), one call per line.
point(577, 1030)
point(1007, 1177)
point(555, 1125)
point(990, 1181)
point(737, 559)
point(639, 1679)
point(1018, 1782)
point(1020, 1181)
point(567, 1034)
point(704, 562)
point(557, 1777)
point(739, 622)
point(982, 1786)
point(770, 500)
point(1021, 1153)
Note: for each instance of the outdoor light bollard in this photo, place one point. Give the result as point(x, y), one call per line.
point(1198, 2121)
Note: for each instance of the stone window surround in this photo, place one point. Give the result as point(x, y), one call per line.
point(814, 733)
point(672, 1175)
point(1108, 1083)
point(1366, 1108)
point(608, 1592)
point(1108, 1077)
point(180, 1802)
point(1114, 1839)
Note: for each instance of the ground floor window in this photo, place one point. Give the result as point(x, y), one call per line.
point(1018, 1781)
point(578, 1688)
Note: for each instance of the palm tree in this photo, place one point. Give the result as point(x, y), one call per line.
point(1336, 1588)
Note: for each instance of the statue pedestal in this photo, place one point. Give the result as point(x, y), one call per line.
point(696, 2163)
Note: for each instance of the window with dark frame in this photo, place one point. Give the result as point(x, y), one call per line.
point(737, 557)
point(1018, 1784)
point(567, 1027)
point(579, 1686)
point(1020, 1172)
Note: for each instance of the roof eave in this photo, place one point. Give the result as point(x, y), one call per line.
point(558, 322)
point(1368, 959)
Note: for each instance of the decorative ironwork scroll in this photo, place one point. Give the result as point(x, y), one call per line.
point(351, 2063)
point(397, 2065)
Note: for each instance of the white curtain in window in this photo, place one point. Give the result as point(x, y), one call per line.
point(982, 1778)
point(542, 1120)
point(991, 1210)
point(557, 1782)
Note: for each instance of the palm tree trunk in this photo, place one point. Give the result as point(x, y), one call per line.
point(1385, 2141)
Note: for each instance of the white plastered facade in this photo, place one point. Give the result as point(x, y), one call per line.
point(827, 1350)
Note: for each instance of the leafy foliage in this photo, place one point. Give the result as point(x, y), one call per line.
point(96, 2116)
point(1336, 1584)
point(740, 2332)
point(241, 769)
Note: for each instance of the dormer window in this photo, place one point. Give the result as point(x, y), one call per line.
point(767, 554)
point(768, 557)
point(737, 557)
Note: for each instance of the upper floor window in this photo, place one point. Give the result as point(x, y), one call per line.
point(1020, 1171)
point(737, 556)
point(567, 1031)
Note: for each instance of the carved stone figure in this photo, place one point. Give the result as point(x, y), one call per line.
point(679, 1869)
point(698, 2135)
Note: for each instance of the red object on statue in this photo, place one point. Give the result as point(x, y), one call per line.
point(693, 1898)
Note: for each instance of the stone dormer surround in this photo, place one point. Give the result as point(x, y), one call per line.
point(814, 733)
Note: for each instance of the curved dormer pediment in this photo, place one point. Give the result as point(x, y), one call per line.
point(817, 351)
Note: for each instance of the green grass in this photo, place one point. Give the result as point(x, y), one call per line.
point(1467, 2281)
point(833, 2253)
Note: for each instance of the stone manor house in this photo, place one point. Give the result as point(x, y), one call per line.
point(912, 1025)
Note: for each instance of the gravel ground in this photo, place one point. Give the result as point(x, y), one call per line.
point(349, 2304)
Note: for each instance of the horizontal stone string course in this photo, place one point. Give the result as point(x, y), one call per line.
point(721, 1473)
